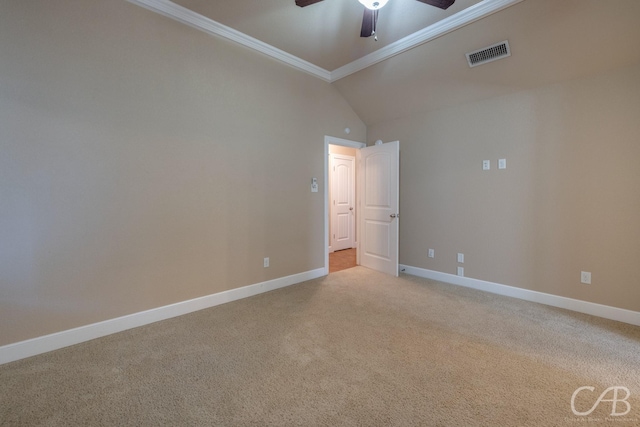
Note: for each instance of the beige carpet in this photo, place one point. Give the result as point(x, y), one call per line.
point(354, 349)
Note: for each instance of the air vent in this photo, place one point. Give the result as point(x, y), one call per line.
point(488, 54)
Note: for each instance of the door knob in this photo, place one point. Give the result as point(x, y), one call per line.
point(350, 209)
point(392, 215)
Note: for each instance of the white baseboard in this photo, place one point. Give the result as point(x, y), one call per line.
point(39, 345)
point(608, 312)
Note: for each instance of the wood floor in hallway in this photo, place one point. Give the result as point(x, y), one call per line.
point(341, 260)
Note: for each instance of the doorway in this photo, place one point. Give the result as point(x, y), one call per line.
point(340, 204)
point(377, 194)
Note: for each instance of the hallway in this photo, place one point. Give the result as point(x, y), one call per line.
point(341, 260)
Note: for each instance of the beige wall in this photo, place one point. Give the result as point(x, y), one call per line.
point(568, 201)
point(144, 163)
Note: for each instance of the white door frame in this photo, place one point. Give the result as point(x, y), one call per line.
point(329, 140)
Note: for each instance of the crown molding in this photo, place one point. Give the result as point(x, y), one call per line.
point(440, 28)
point(209, 26)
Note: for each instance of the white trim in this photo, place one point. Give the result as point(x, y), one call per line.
point(39, 345)
point(599, 310)
point(345, 143)
point(209, 26)
point(440, 28)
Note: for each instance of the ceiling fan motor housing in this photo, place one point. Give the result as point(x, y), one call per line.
point(370, 18)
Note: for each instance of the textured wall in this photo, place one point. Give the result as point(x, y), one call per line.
point(145, 163)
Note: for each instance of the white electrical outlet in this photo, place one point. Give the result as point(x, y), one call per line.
point(486, 165)
point(266, 262)
point(461, 258)
point(432, 253)
point(461, 271)
point(502, 163)
point(585, 277)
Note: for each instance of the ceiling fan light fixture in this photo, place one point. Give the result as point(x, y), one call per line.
point(373, 4)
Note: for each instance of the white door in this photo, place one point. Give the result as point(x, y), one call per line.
point(378, 183)
point(343, 202)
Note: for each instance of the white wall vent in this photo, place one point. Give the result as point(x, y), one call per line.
point(488, 54)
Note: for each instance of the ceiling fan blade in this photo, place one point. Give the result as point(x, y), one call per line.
point(369, 21)
point(442, 4)
point(303, 3)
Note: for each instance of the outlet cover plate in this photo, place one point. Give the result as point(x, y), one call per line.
point(585, 277)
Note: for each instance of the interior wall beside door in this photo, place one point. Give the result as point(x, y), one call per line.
point(130, 179)
point(567, 201)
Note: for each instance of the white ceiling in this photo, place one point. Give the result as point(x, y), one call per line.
point(550, 40)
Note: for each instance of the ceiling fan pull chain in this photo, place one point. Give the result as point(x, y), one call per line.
point(375, 25)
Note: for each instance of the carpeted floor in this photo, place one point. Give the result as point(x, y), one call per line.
point(356, 348)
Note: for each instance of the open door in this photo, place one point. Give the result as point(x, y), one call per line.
point(378, 189)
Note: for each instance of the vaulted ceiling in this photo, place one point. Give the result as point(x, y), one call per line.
point(418, 63)
point(327, 33)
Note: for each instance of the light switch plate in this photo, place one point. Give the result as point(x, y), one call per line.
point(486, 165)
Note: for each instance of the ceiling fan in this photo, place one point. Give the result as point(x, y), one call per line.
point(371, 7)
